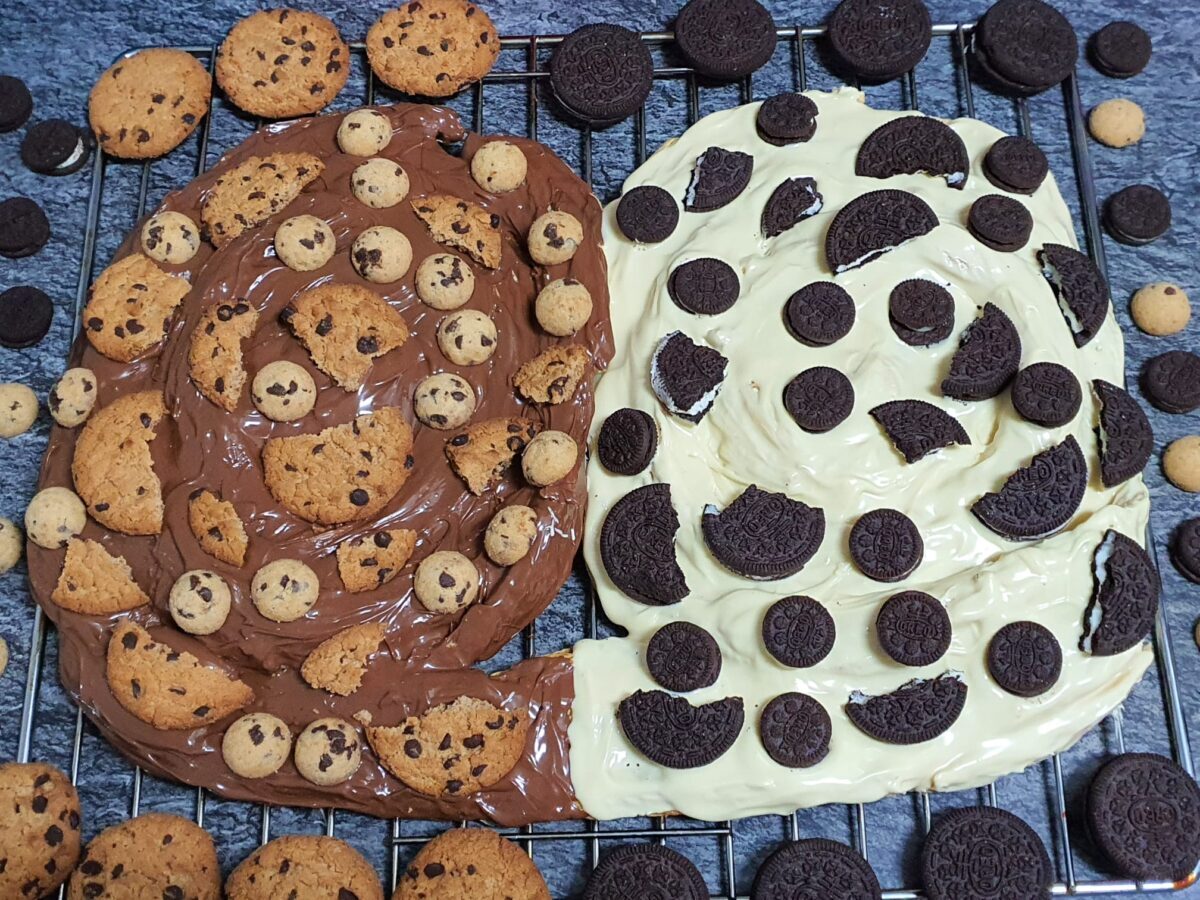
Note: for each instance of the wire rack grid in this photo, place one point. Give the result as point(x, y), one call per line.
point(532, 50)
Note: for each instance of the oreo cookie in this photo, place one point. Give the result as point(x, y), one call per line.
point(819, 399)
point(913, 628)
point(1046, 394)
point(911, 145)
point(56, 147)
point(798, 632)
point(683, 657)
point(645, 870)
point(918, 428)
point(879, 40)
point(1120, 49)
point(913, 713)
point(786, 119)
point(763, 535)
point(637, 546)
point(705, 286)
point(1081, 290)
point(1016, 165)
point(987, 358)
point(1024, 659)
point(984, 853)
point(1120, 613)
point(725, 39)
point(1185, 550)
point(872, 224)
point(790, 204)
point(819, 314)
point(1143, 812)
point(921, 312)
point(686, 376)
point(1025, 46)
point(815, 869)
point(601, 74)
point(1125, 436)
point(1138, 214)
point(16, 104)
point(647, 214)
point(24, 228)
point(627, 441)
point(718, 179)
point(674, 733)
point(25, 316)
point(886, 545)
point(1171, 381)
point(795, 730)
point(1001, 223)
point(1038, 499)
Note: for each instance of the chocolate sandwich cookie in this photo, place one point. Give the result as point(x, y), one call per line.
point(683, 657)
point(921, 312)
point(918, 428)
point(1125, 436)
point(24, 228)
point(878, 40)
point(1185, 549)
point(786, 119)
point(1024, 658)
point(1025, 46)
point(725, 39)
point(795, 730)
point(913, 144)
point(705, 286)
point(1143, 811)
point(987, 358)
point(16, 104)
point(1171, 381)
point(56, 147)
point(645, 869)
point(814, 868)
point(872, 224)
point(1080, 288)
point(687, 376)
point(981, 853)
point(1046, 394)
point(819, 399)
point(637, 546)
point(25, 316)
point(1138, 214)
point(674, 733)
point(1120, 49)
point(913, 628)
point(790, 204)
point(1039, 498)
point(886, 545)
point(601, 74)
point(763, 535)
point(1001, 223)
point(718, 178)
point(819, 314)
point(628, 439)
point(1016, 164)
point(1124, 601)
point(647, 214)
point(798, 632)
point(913, 713)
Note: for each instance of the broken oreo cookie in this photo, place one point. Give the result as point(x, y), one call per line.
point(683, 657)
point(705, 286)
point(1038, 499)
point(1171, 381)
point(872, 224)
point(1024, 659)
point(886, 545)
point(798, 632)
point(913, 628)
point(815, 869)
point(1046, 394)
point(879, 40)
point(819, 314)
point(795, 730)
point(601, 74)
point(918, 428)
point(725, 39)
point(1126, 438)
point(911, 145)
point(1185, 550)
point(790, 204)
point(1081, 290)
point(1120, 49)
point(819, 399)
point(686, 376)
point(1138, 214)
point(1124, 601)
point(987, 358)
point(984, 853)
point(652, 870)
point(628, 439)
point(913, 713)
point(763, 535)
point(1016, 164)
point(921, 312)
point(1025, 46)
point(719, 178)
point(1001, 223)
point(674, 733)
point(637, 546)
point(786, 119)
point(647, 214)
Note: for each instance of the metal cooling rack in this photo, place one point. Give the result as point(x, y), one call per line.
point(794, 41)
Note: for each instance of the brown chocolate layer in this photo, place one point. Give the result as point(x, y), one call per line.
point(202, 446)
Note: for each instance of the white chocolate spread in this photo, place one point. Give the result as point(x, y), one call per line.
point(748, 438)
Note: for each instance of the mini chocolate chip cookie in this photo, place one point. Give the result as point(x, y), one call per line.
point(549, 457)
point(554, 237)
point(499, 166)
point(444, 281)
point(170, 237)
point(73, 397)
point(200, 601)
point(563, 307)
point(467, 337)
point(510, 534)
point(1117, 122)
point(256, 745)
point(39, 821)
point(446, 582)
point(284, 590)
point(54, 516)
point(364, 132)
point(1161, 309)
point(304, 243)
point(283, 391)
point(328, 751)
point(152, 856)
point(444, 401)
point(381, 254)
point(12, 543)
point(432, 48)
point(18, 409)
point(379, 183)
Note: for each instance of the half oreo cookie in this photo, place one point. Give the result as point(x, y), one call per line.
point(790, 204)
point(872, 224)
point(987, 358)
point(913, 713)
point(918, 428)
point(637, 546)
point(763, 535)
point(1125, 436)
point(674, 733)
point(686, 376)
point(1038, 499)
point(913, 144)
point(1081, 290)
point(718, 179)
point(1124, 601)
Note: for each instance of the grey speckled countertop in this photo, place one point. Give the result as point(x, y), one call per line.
point(59, 46)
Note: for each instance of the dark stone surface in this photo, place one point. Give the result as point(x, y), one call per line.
point(60, 46)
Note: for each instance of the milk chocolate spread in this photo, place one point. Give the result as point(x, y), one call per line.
point(425, 658)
